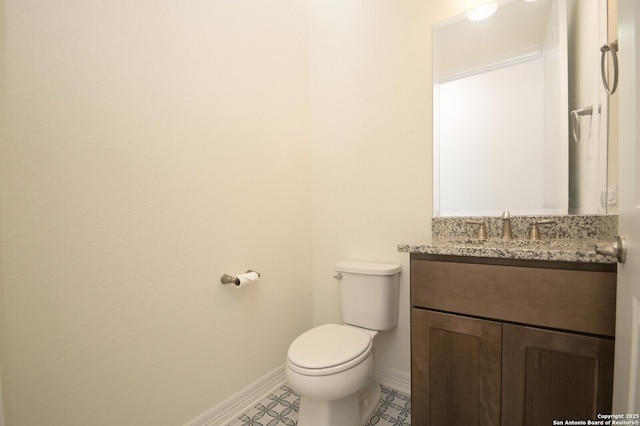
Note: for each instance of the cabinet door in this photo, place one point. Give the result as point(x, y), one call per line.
point(455, 370)
point(550, 375)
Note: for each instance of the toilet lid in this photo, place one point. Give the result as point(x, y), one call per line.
point(328, 345)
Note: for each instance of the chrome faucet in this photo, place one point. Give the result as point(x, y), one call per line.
point(506, 226)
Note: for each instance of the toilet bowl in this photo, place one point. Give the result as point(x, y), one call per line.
point(332, 368)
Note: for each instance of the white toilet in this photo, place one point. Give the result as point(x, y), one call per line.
point(331, 366)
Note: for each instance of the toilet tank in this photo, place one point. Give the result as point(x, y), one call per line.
point(369, 293)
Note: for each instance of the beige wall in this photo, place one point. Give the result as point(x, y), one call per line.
point(146, 148)
point(371, 121)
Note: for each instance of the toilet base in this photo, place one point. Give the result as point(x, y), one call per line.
point(352, 410)
point(369, 401)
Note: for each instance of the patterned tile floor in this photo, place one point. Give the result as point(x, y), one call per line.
point(281, 408)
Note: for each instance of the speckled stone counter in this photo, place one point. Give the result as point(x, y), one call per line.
point(570, 239)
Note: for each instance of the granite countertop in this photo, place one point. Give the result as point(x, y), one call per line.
point(564, 250)
point(570, 238)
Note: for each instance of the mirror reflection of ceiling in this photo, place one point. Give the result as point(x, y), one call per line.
point(514, 33)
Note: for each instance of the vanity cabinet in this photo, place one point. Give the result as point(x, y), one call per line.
point(510, 342)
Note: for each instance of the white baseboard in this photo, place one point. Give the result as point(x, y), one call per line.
point(394, 379)
point(238, 403)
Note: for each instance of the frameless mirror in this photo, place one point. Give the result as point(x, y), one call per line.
point(507, 78)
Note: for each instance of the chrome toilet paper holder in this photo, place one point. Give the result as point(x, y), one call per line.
point(230, 279)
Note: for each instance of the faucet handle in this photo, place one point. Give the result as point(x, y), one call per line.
point(482, 229)
point(534, 233)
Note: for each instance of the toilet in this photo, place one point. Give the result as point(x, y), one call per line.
point(331, 366)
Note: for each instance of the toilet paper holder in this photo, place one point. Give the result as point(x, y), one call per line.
point(230, 279)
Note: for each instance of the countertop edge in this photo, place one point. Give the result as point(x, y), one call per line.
point(521, 253)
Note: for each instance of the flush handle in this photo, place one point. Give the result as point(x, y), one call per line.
point(617, 248)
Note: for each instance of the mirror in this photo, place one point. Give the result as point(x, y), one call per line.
point(507, 78)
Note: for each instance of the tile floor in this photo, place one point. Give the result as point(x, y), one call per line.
point(281, 408)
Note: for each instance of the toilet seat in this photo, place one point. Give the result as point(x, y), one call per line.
point(329, 349)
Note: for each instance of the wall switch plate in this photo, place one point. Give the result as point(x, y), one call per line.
point(612, 195)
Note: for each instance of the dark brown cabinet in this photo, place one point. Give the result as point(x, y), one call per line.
point(551, 375)
point(501, 342)
point(455, 370)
